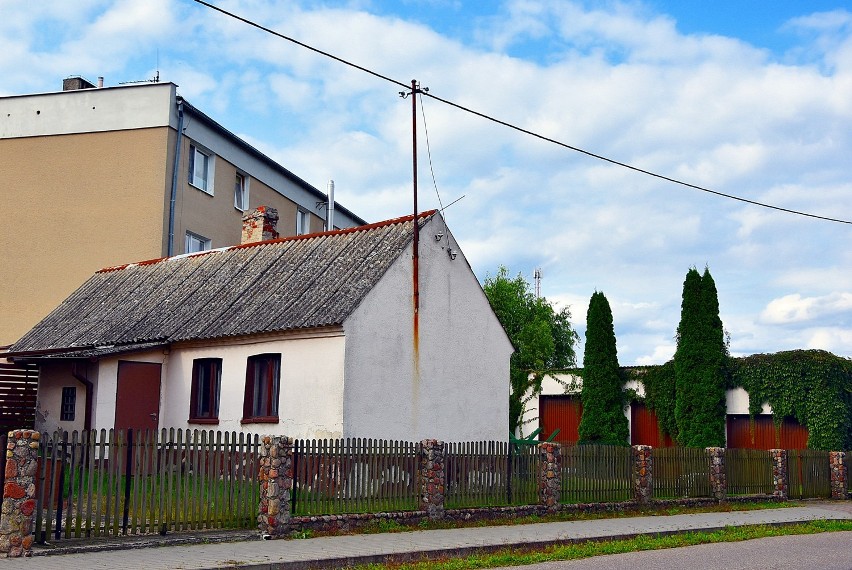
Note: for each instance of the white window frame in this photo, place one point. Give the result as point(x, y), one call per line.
point(197, 153)
point(303, 222)
point(193, 239)
point(241, 193)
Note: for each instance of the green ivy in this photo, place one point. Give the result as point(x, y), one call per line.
point(812, 386)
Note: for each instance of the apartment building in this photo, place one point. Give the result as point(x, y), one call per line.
point(96, 176)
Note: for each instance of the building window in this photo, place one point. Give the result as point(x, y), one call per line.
point(195, 243)
point(69, 403)
point(262, 379)
point(206, 385)
point(201, 169)
point(241, 192)
point(303, 222)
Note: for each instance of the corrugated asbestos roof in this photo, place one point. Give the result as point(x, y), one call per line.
point(285, 284)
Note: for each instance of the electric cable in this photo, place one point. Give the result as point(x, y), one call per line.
point(521, 129)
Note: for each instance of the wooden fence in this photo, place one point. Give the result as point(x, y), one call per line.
point(596, 473)
point(681, 472)
point(490, 474)
point(18, 390)
point(354, 476)
point(115, 482)
point(749, 471)
point(809, 474)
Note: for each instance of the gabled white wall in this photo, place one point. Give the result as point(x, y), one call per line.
point(458, 389)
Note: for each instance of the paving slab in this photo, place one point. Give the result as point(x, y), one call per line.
point(346, 550)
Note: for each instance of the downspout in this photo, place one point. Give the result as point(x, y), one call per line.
point(171, 247)
point(84, 380)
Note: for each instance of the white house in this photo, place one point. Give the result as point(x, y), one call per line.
point(308, 336)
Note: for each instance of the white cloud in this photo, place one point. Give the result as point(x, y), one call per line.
point(794, 308)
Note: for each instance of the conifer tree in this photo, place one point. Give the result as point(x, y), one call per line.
point(700, 365)
point(603, 419)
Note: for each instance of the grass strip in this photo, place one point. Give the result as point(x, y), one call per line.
point(514, 557)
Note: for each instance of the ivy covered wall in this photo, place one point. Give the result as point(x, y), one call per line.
point(812, 386)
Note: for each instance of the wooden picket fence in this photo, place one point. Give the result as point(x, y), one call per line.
point(106, 483)
point(809, 474)
point(681, 472)
point(354, 475)
point(749, 471)
point(490, 474)
point(596, 473)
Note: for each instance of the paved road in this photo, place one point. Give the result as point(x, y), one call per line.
point(828, 551)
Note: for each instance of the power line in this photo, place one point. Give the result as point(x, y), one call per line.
point(521, 129)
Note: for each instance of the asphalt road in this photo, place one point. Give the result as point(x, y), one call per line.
point(825, 551)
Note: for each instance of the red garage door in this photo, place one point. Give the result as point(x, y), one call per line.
point(645, 428)
point(760, 433)
point(563, 412)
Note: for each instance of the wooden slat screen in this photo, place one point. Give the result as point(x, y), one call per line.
point(18, 390)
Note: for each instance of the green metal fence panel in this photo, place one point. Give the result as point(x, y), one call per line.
point(354, 475)
point(809, 474)
point(596, 473)
point(681, 472)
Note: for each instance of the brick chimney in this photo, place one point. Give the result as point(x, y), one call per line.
point(259, 224)
point(76, 82)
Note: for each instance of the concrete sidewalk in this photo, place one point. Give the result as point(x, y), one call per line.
point(340, 551)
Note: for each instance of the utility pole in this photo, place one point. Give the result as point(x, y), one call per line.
point(415, 89)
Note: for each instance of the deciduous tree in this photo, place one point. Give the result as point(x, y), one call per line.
point(543, 337)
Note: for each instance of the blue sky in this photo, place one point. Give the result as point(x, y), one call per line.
point(748, 98)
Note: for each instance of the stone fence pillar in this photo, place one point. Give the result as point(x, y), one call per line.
point(432, 477)
point(16, 522)
point(643, 473)
point(718, 472)
point(276, 486)
point(837, 461)
point(550, 475)
point(779, 473)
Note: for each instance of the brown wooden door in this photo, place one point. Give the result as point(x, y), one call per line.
point(137, 401)
point(563, 412)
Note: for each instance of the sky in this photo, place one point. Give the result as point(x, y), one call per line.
point(752, 99)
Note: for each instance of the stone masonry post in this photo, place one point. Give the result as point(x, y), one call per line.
point(837, 461)
point(276, 486)
point(432, 477)
point(550, 475)
point(718, 473)
point(16, 521)
point(779, 472)
point(643, 473)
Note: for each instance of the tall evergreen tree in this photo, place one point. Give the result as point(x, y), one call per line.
point(603, 419)
point(700, 365)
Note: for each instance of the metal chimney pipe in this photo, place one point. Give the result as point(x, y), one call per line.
point(329, 217)
point(100, 82)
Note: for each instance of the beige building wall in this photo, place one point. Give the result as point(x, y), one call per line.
point(65, 216)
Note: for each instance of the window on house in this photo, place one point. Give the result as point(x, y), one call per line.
point(201, 169)
point(303, 222)
point(195, 243)
point(241, 192)
point(69, 404)
point(206, 386)
point(262, 384)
